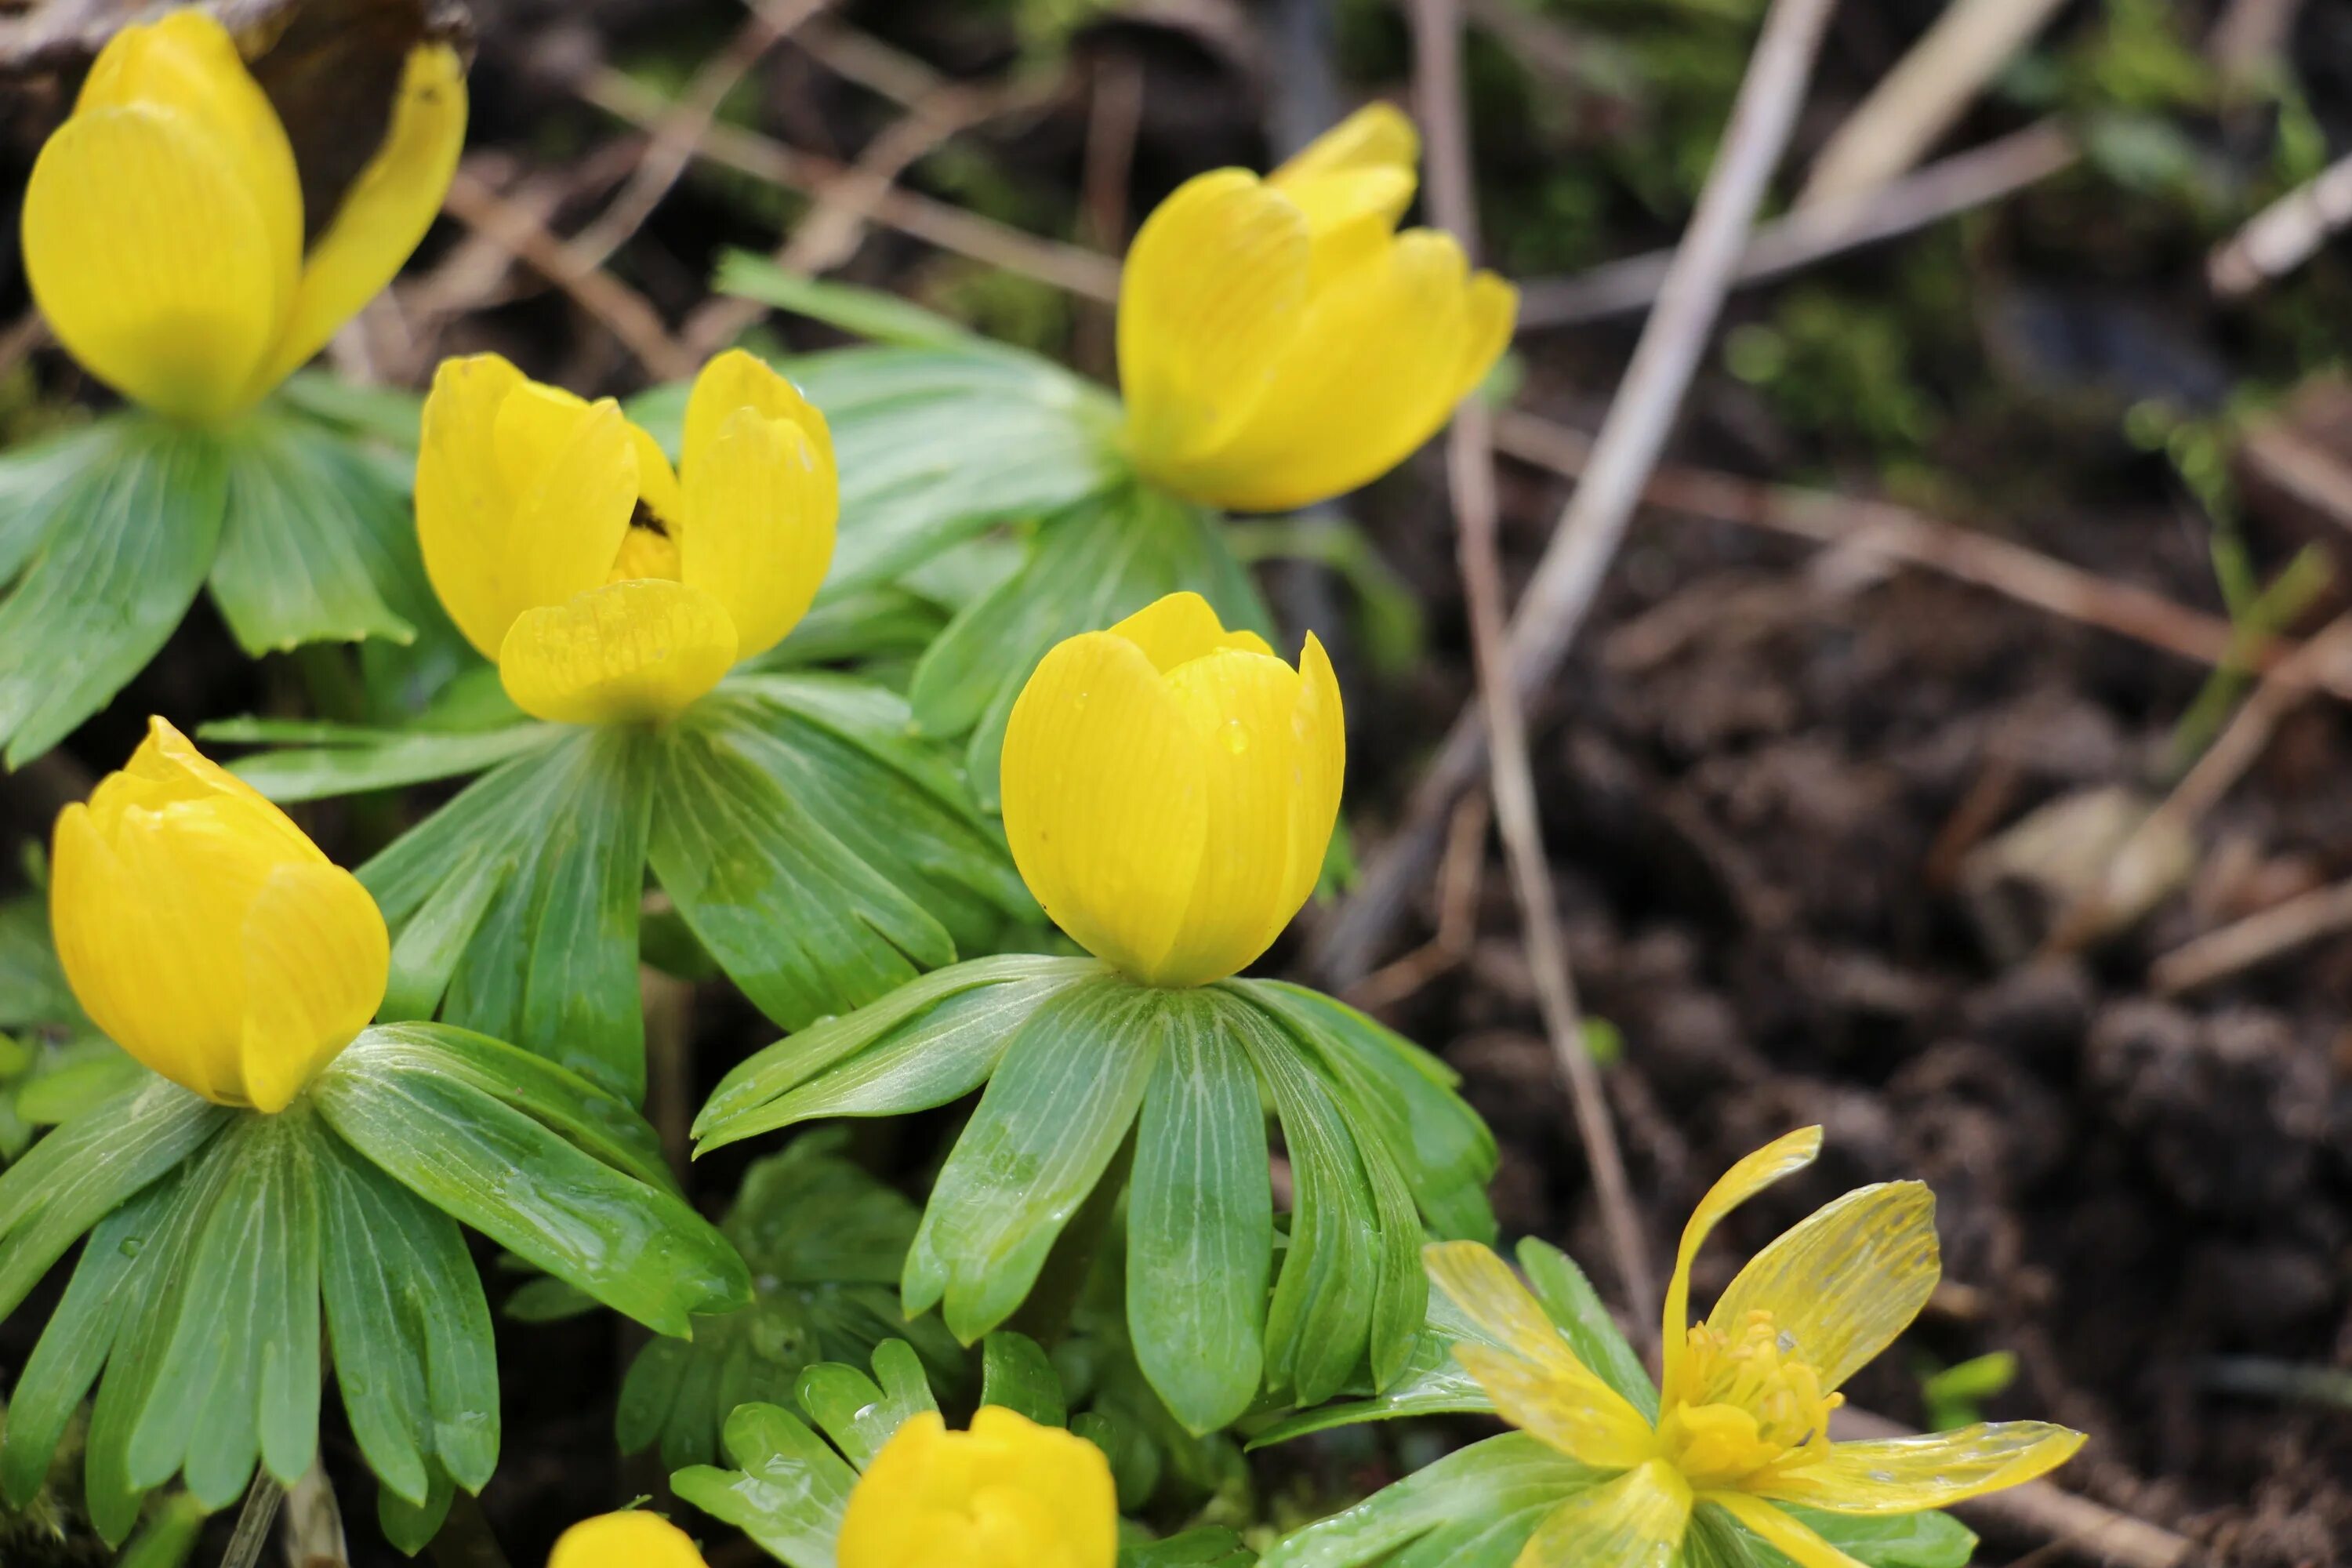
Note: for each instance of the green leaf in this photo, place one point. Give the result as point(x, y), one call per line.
point(1089, 565)
point(1475, 1506)
point(795, 917)
point(293, 565)
point(134, 532)
point(1200, 1221)
point(860, 1414)
point(749, 1099)
point(1928, 1540)
point(70, 1080)
point(1433, 1382)
point(239, 1376)
point(434, 938)
point(861, 312)
point(638, 1249)
point(35, 478)
point(411, 1527)
point(1015, 1375)
point(411, 1332)
point(83, 1172)
point(1574, 1306)
point(552, 962)
point(33, 989)
point(1210, 1548)
point(1056, 1109)
point(347, 758)
point(391, 415)
point(788, 1491)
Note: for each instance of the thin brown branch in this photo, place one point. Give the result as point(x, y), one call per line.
point(1639, 420)
point(2088, 1530)
point(2253, 940)
point(618, 308)
point(1961, 182)
point(1459, 879)
point(2284, 235)
point(1080, 271)
point(1470, 468)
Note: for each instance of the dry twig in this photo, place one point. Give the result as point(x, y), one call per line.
point(1470, 466)
point(1631, 438)
point(1459, 879)
point(2256, 940)
point(1955, 184)
point(2284, 235)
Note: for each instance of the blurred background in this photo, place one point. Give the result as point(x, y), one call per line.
point(1956, 751)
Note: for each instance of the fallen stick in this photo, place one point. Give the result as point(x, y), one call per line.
point(2284, 235)
point(2257, 938)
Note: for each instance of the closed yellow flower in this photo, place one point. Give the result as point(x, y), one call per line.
point(1280, 343)
point(163, 223)
point(606, 587)
point(1007, 1494)
point(630, 1539)
point(1170, 789)
point(206, 934)
point(1745, 1402)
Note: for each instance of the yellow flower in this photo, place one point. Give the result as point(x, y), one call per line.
point(606, 587)
point(1007, 1494)
point(630, 1539)
point(1280, 343)
point(163, 223)
point(1170, 789)
point(203, 931)
point(1746, 1395)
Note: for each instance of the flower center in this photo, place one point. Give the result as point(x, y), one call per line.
point(1745, 1406)
point(648, 550)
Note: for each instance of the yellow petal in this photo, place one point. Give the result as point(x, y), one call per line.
point(316, 959)
point(1351, 215)
point(463, 510)
point(1177, 628)
point(1008, 1494)
point(631, 1540)
point(1536, 1381)
point(187, 63)
point(1783, 1156)
point(617, 653)
point(1377, 136)
point(1493, 312)
point(760, 505)
point(644, 554)
point(1209, 302)
point(1634, 1521)
point(105, 930)
point(1105, 799)
point(736, 379)
point(151, 261)
point(1374, 369)
point(1319, 734)
point(1793, 1538)
point(1904, 1475)
point(386, 211)
point(1843, 1281)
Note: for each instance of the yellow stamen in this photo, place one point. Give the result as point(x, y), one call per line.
point(1745, 1408)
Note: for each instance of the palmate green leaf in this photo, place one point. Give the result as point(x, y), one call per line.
point(392, 416)
point(34, 481)
point(1472, 1508)
point(861, 312)
point(788, 1490)
point(1015, 1374)
point(637, 1248)
point(1208, 1548)
point(861, 1414)
point(1089, 565)
point(1930, 1539)
point(1576, 1310)
point(550, 962)
point(33, 990)
point(131, 534)
point(318, 762)
point(295, 562)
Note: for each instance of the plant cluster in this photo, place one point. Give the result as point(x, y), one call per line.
point(666, 644)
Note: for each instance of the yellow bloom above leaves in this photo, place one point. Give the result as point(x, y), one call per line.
point(1007, 1494)
point(1170, 789)
point(206, 934)
point(606, 587)
point(1280, 343)
point(629, 1540)
point(1746, 1396)
point(163, 223)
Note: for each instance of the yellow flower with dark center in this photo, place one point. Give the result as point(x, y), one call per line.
point(1007, 1494)
point(1280, 343)
point(206, 934)
point(1746, 1395)
point(164, 222)
point(606, 587)
point(1170, 789)
point(630, 1539)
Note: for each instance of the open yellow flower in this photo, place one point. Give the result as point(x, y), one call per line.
point(631, 1540)
point(163, 223)
point(1170, 789)
point(1280, 343)
point(206, 934)
point(1745, 1397)
point(1007, 1494)
point(606, 587)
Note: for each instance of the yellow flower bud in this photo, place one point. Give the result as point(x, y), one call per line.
point(1280, 343)
point(164, 222)
point(206, 934)
point(606, 587)
point(630, 1539)
point(1007, 1494)
point(1170, 789)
